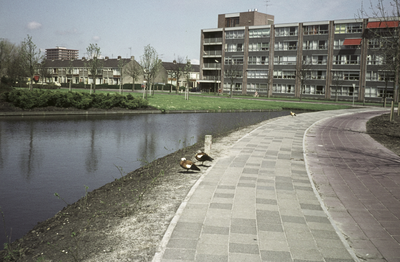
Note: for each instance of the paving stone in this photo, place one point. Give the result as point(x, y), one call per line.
point(258, 204)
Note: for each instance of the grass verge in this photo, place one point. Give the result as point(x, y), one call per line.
point(173, 102)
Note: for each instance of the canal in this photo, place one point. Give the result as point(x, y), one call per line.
point(41, 156)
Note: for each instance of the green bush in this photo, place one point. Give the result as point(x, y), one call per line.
point(42, 98)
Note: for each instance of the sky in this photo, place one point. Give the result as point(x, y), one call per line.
point(125, 27)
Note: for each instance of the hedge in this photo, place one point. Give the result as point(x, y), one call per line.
point(26, 99)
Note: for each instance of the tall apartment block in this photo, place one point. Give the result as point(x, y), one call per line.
point(336, 58)
point(60, 53)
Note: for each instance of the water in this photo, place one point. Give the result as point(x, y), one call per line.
point(40, 156)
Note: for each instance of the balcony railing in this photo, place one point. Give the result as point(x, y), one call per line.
point(212, 65)
point(347, 62)
point(213, 40)
point(212, 53)
point(213, 78)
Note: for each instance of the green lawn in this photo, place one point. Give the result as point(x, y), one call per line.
point(195, 102)
point(173, 102)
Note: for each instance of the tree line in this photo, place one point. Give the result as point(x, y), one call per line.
point(21, 61)
point(17, 62)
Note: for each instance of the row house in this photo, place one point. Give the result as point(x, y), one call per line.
point(327, 59)
point(77, 71)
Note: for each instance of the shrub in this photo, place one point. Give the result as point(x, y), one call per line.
point(26, 99)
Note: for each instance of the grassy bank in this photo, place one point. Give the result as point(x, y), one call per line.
point(173, 102)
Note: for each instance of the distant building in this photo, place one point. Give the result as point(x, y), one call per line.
point(168, 68)
point(60, 53)
point(337, 58)
point(76, 71)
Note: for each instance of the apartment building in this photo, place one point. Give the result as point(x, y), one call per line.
point(60, 53)
point(328, 59)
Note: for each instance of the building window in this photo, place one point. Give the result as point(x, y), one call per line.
point(287, 45)
point(385, 76)
point(313, 90)
point(379, 76)
point(284, 60)
point(338, 44)
point(348, 28)
point(346, 75)
point(374, 44)
point(233, 73)
point(315, 45)
point(258, 60)
point(236, 87)
point(235, 34)
point(234, 60)
point(277, 74)
point(257, 74)
point(346, 60)
point(371, 91)
point(234, 47)
point(232, 22)
point(316, 75)
point(288, 74)
point(283, 88)
point(375, 60)
point(257, 87)
point(259, 33)
point(264, 46)
point(315, 60)
point(315, 30)
point(286, 31)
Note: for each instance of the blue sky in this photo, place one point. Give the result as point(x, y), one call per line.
point(125, 27)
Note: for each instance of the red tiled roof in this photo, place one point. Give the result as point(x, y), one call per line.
point(383, 24)
point(356, 41)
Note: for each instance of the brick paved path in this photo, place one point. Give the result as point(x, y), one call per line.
point(258, 204)
point(359, 182)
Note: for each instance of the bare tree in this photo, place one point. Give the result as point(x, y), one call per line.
point(43, 71)
point(303, 71)
point(187, 72)
point(15, 66)
point(85, 68)
point(94, 62)
point(134, 70)
point(71, 73)
point(177, 71)
point(337, 81)
point(386, 36)
point(32, 58)
point(232, 72)
point(151, 65)
point(121, 64)
point(6, 49)
point(154, 73)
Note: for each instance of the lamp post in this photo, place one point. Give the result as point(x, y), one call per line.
point(146, 81)
point(218, 76)
point(174, 74)
point(354, 86)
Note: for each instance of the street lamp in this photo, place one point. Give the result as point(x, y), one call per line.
point(218, 75)
point(354, 86)
point(146, 82)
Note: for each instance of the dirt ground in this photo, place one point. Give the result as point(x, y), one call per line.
point(385, 132)
point(125, 220)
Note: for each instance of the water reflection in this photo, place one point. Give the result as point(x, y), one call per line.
point(40, 156)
